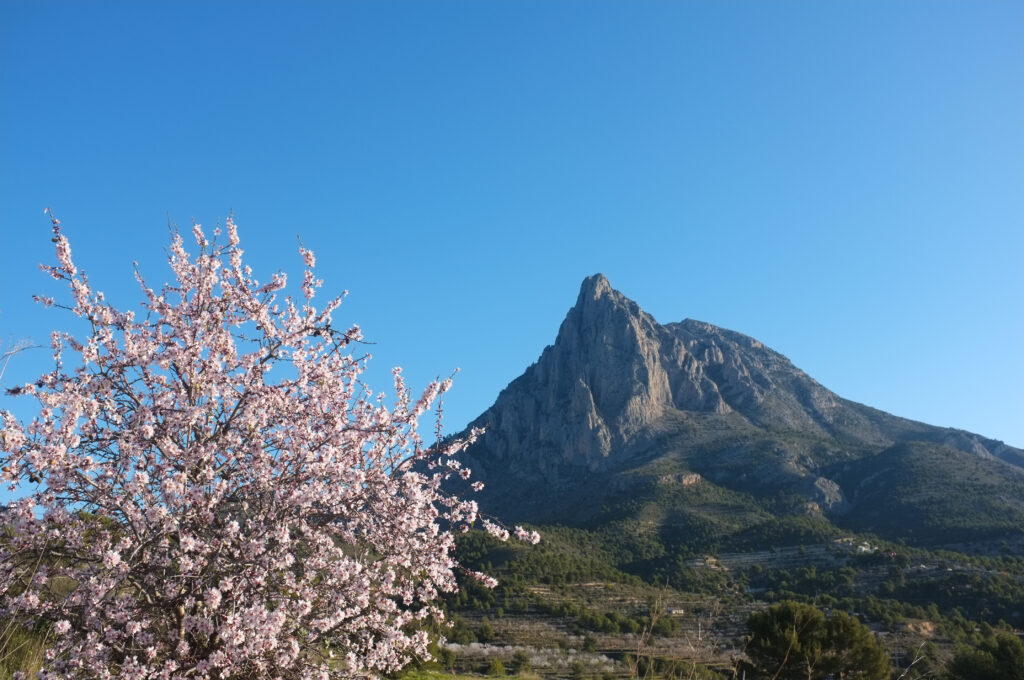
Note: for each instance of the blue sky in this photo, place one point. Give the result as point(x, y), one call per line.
point(843, 181)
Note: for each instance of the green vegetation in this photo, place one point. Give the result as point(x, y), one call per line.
point(596, 585)
point(794, 641)
point(918, 505)
point(999, 657)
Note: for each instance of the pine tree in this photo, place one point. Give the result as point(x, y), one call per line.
point(795, 641)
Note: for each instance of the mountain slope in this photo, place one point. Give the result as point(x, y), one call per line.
point(621, 406)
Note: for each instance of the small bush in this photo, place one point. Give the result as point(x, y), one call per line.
point(521, 662)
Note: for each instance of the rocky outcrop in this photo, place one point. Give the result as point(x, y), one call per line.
point(828, 495)
point(682, 479)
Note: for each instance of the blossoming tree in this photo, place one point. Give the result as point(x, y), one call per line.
point(195, 515)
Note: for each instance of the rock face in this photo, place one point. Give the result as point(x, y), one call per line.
point(618, 390)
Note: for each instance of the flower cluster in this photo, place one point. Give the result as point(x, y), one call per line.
point(217, 493)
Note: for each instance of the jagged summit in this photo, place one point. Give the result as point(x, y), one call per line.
point(614, 372)
point(600, 308)
point(593, 287)
point(618, 390)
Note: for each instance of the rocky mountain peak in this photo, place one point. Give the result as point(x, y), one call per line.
point(600, 313)
point(593, 287)
point(617, 387)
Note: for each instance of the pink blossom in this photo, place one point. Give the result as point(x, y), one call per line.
point(213, 598)
point(182, 477)
point(111, 559)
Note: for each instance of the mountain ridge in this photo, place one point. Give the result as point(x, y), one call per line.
point(618, 390)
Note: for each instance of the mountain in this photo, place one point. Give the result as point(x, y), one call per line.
point(690, 425)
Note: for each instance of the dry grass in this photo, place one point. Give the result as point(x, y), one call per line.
point(20, 650)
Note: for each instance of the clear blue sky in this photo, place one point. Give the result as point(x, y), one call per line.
point(841, 180)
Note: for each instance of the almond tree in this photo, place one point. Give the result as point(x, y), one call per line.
point(217, 494)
